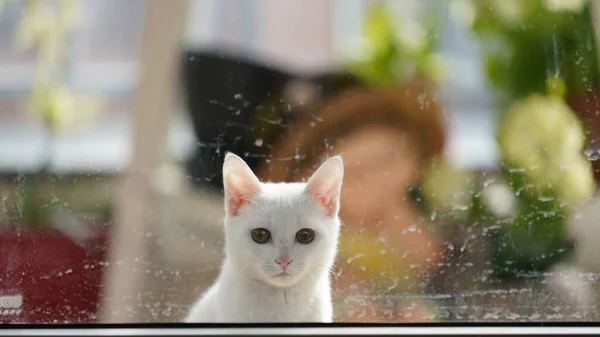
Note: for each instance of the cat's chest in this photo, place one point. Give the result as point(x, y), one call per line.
point(276, 305)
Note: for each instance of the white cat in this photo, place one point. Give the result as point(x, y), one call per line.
point(280, 245)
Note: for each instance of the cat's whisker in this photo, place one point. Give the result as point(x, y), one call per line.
point(250, 273)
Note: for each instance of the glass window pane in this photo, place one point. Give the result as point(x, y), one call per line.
point(467, 132)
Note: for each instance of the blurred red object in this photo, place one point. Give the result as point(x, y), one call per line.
point(47, 277)
point(587, 107)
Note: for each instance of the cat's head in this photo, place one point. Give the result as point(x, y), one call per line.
point(282, 233)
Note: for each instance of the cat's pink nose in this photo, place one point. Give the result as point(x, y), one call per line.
point(283, 262)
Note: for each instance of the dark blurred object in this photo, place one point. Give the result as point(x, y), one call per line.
point(244, 107)
point(587, 107)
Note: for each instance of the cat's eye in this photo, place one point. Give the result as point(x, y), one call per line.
point(305, 236)
point(260, 235)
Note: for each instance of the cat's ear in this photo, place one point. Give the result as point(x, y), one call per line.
point(325, 185)
point(240, 184)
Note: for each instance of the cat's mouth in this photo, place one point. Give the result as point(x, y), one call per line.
point(283, 274)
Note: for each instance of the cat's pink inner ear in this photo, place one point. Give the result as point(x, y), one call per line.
point(325, 185)
point(239, 191)
point(326, 196)
point(240, 183)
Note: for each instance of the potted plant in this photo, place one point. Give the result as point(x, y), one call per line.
point(511, 221)
point(540, 46)
point(539, 55)
point(50, 261)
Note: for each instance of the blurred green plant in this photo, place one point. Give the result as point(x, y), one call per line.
point(534, 46)
point(541, 141)
point(46, 27)
point(538, 53)
point(392, 51)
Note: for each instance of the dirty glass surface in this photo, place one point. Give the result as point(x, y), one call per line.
point(468, 130)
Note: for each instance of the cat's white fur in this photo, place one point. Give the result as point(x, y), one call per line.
point(247, 289)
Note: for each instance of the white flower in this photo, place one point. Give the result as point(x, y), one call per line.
point(500, 199)
point(542, 137)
